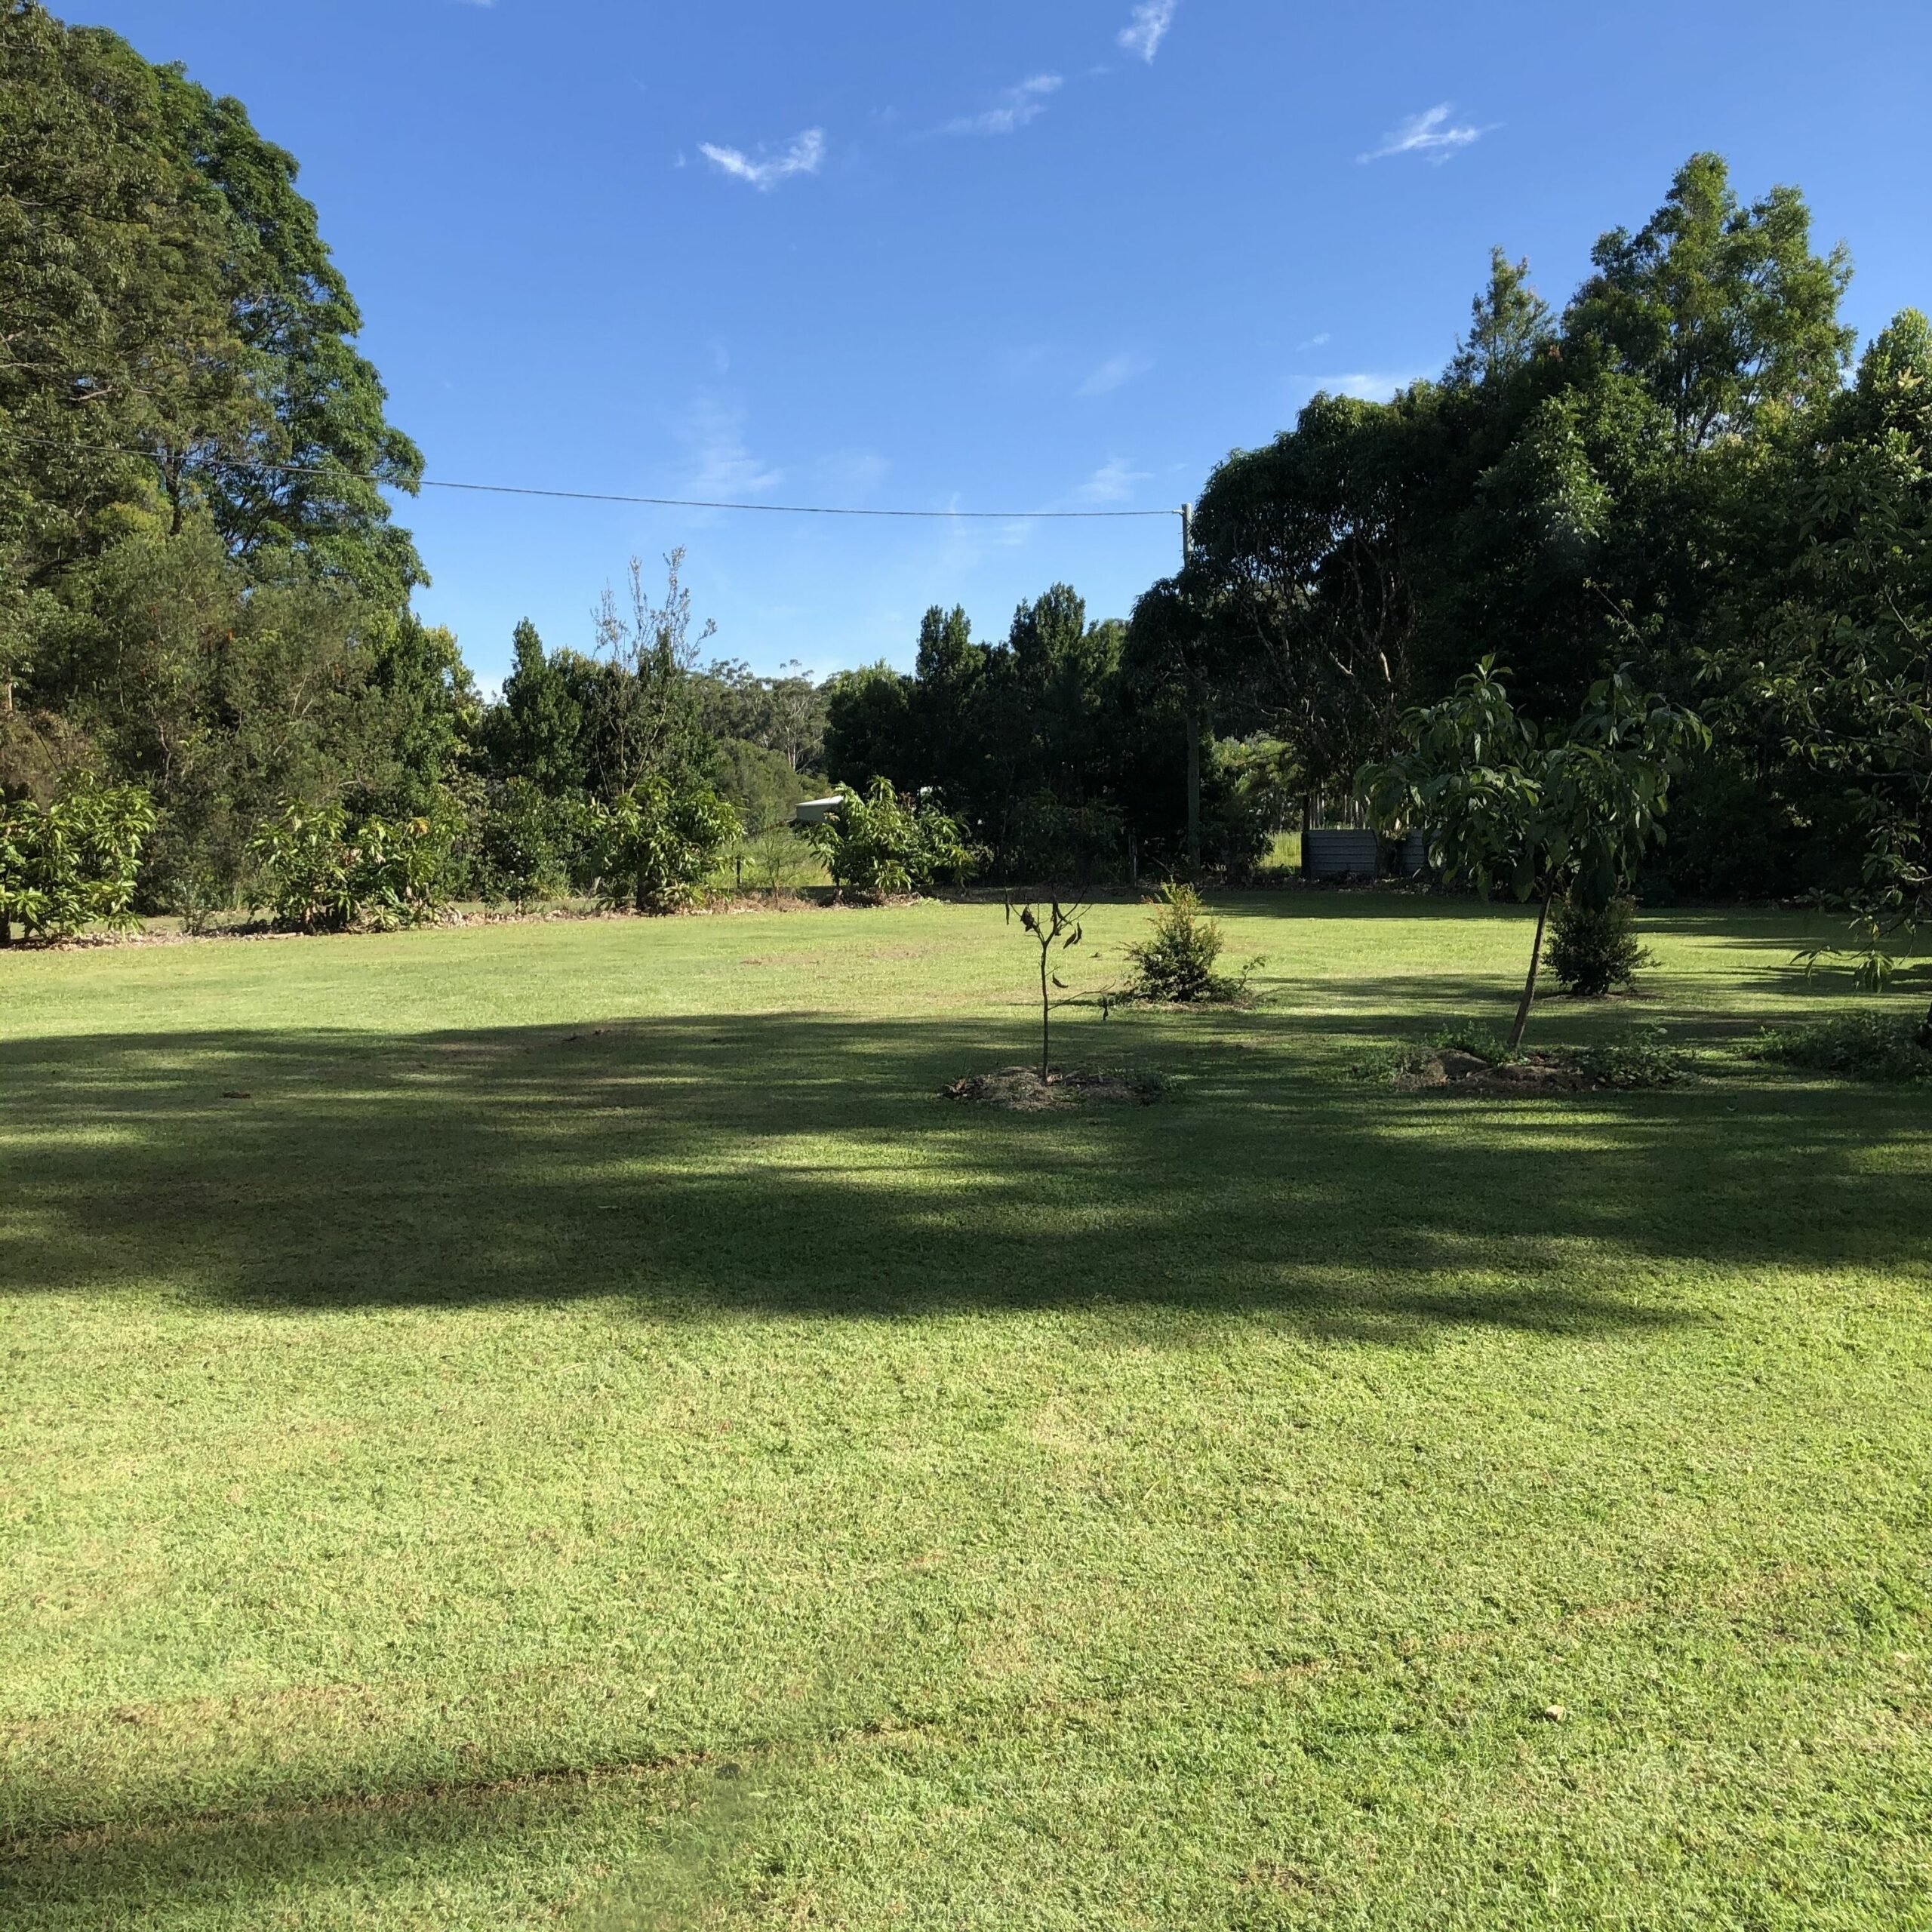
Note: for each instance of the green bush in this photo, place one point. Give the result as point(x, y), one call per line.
point(522, 843)
point(1859, 1046)
point(1642, 1059)
point(655, 845)
point(72, 863)
point(882, 845)
point(1175, 963)
point(1591, 950)
point(325, 872)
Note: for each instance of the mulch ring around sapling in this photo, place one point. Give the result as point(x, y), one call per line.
point(1535, 1073)
point(1020, 1090)
point(1610, 1066)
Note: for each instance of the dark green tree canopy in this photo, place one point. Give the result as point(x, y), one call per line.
point(1576, 493)
point(165, 291)
point(1719, 309)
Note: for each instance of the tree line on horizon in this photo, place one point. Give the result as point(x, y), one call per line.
point(1682, 474)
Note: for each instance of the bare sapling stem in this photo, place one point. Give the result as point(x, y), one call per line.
point(1046, 1019)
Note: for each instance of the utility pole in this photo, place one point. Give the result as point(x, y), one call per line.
point(1193, 721)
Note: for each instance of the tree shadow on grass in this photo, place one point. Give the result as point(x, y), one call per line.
point(803, 1164)
point(249, 1868)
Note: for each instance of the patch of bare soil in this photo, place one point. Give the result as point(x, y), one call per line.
point(1020, 1090)
point(1470, 1073)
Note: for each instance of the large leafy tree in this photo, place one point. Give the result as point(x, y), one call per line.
point(1576, 494)
point(1837, 664)
point(1722, 311)
point(536, 733)
point(173, 327)
point(1174, 664)
point(318, 450)
point(1302, 560)
point(114, 325)
point(200, 589)
point(646, 712)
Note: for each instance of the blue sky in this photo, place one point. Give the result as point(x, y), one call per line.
point(1000, 256)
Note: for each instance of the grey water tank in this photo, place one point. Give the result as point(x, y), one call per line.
point(1339, 852)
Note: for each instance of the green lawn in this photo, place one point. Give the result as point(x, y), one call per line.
point(559, 1425)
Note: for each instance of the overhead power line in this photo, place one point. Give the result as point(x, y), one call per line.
point(652, 502)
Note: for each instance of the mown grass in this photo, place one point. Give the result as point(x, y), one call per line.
point(559, 1424)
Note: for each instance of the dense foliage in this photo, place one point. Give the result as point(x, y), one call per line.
point(1865, 1045)
point(655, 845)
point(1672, 474)
point(324, 873)
point(878, 844)
point(1062, 753)
point(69, 863)
point(202, 594)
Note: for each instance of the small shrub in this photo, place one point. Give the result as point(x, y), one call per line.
point(72, 863)
point(1591, 950)
point(1387, 1063)
point(1175, 963)
point(777, 861)
point(1858, 1046)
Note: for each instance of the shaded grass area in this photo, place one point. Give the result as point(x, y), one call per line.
point(564, 1423)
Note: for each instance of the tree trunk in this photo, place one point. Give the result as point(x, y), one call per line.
point(6, 930)
point(642, 897)
point(1924, 1032)
point(1193, 793)
point(1529, 984)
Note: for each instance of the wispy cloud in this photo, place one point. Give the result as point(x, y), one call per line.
point(851, 476)
point(1112, 483)
point(1314, 341)
point(1015, 108)
point(721, 467)
point(803, 157)
point(1144, 33)
point(1431, 134)
point(1115, 373)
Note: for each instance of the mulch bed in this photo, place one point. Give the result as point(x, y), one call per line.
point(1020, 1089)
point(1470, 1073)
